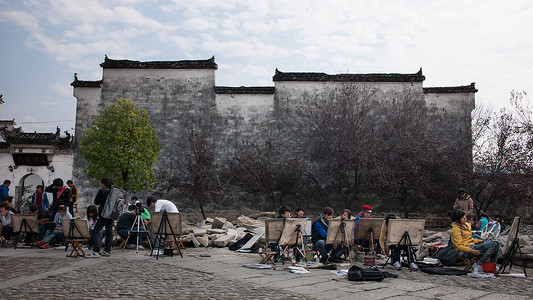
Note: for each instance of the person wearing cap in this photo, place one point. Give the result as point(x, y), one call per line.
point(464, 202)
point(366, 212)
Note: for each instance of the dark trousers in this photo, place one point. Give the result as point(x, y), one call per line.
point(396, 254)
point(71, 208)
point(96, 241)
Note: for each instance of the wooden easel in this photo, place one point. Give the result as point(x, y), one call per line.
point(163, 230)
point(512, 250)
point(76, 236)
point(296, 235)
point(24, 227)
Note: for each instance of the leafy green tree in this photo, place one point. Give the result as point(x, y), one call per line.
point(121, 144)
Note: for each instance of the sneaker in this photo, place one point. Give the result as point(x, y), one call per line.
point(413, 267)
point(105, 253)
point(141, 247)
point(40, 243)
point(397, 265)
point(477, 268)
point(44, 246)
point(93, 255)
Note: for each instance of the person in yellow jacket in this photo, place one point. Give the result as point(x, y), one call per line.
point(467, 246)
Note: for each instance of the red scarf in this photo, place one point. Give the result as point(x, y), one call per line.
point(60, 191)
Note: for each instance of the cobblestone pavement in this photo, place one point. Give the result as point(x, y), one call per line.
point(40, 274)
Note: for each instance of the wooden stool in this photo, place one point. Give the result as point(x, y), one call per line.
point(267, 257)
point(76, 247)
point(469, 262)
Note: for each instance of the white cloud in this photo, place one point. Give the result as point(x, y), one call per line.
point(24, 19)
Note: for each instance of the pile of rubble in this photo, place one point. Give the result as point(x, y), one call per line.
point(218, 232)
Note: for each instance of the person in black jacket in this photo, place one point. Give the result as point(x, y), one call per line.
point(100, 199)
point(60, 193)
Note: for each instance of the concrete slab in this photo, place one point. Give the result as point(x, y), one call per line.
point(464, 294)
point(437, 292)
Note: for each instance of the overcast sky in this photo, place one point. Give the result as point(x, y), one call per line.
point(42, 44)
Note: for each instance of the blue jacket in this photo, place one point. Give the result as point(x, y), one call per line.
point(4, 192)
point(44, 202)
point(319, 231)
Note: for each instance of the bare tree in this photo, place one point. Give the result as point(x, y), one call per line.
point(266, 164)
point(335, 128)
point(408, 154)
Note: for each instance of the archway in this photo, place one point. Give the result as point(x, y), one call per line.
point(25, 189)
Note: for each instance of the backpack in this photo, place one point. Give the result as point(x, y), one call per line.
point(356, 273)
point(114, 203)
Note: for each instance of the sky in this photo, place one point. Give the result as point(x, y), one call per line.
point(44, 42)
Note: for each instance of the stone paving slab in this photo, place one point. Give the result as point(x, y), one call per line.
point(30, 273)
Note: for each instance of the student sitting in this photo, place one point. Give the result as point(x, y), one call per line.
point(319, 232)
point(60, 217)
point(42, 216)
point(468, 247)
point(396, 250)
point(125, 222)
point(283, 212)
point(366, 212)
point(92, 218)
point(5, 218)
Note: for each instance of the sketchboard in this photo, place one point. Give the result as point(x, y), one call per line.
point(365, 225)
point(288, 236)
point(173, 218)
point(273, 229)
point(335, 237)
point(32, 221)
point(259, 232)
point(308, 228)
point(511, 236)
point(81, 225)
point(398, 227)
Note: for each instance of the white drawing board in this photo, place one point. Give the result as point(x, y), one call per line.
point(31, 220)
point(173, 218)
point(367, 225)
point(289, 236)
point(397, 228)
point(335, 232)
point(81, 231)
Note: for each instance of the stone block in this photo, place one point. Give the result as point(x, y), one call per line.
point(209, 220)
point(218, 223)
point(216, 231)
point(194, 240)
point(204, 240)
point(199, 231)
point(246, 222)
point(223, 240)
point(228, 225)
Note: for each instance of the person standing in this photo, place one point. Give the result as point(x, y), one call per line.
point(60, 196)
point(464, 202)
point(73, 196)
point(4, 190)
point(100, 199)
point(39, 198)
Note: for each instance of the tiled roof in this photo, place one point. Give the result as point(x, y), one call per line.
point(86, 83)
point(36, 138)
point(180, 64)
point(244, 90)
point(452, 89)
point(376, 77)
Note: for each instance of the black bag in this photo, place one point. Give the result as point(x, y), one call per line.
point(238, 244)
point(442, 270)
point(356, 273)
point(447, 255)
